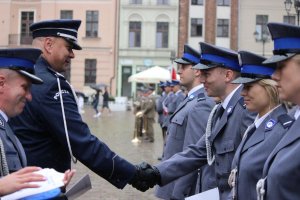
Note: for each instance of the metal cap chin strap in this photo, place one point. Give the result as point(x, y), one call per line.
point(64, 119)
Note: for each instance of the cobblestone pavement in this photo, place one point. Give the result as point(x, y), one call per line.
point(116, 130)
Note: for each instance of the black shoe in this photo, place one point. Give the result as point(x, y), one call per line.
point(159, 158)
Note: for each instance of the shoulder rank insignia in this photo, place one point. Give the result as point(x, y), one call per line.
point(286, 120)
point(201, 97)
point(270, 124)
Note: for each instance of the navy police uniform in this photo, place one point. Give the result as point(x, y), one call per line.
point(261, 137)
point(281, 173)
point(40, 127)
point(225, 136)
point(187, 125)
point(12, 153)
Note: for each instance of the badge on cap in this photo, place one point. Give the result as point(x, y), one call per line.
point(270, 124)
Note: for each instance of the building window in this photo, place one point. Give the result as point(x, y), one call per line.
point(66, 14)
point(135, 34)
point(197, 2)
point(223, 28)
point(289, 19)
point(261, 28)
point(92, 18)
point(196, 27)
point(136, 1)
point(223, 3)
point(163, 2)
point(90, 71)
point(26, 21)
point(162, 34)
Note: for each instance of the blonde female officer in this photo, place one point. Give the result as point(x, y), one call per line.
point(261, 96)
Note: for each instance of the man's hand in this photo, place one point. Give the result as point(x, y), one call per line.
point(146, 177)
point(19, 180)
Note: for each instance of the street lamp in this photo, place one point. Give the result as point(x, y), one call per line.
point(288, 6)
point(263, 38)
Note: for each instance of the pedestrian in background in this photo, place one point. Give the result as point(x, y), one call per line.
point(95, 103)
point(105, 101)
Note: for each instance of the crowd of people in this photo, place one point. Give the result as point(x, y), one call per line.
point(229, 129)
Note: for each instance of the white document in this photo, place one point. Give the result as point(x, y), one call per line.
point(212, 194)
point(54, 180)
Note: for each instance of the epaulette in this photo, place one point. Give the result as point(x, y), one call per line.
point(56, 73)
point(286, 120)
point(201, 97)
point(241, 101)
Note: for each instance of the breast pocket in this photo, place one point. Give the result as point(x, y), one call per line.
point(13, 161)
point(177, 127)
point(225, 152)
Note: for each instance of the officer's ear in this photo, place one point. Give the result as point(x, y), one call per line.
point(48, 44)
point(2, 82)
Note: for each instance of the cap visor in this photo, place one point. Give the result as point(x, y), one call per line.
point(181, 61)
point(203, 66)
point(278, 58)
point(243, 80)
point(74, 44)
point(34, 79)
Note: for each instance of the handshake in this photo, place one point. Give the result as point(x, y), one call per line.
point(146, 177)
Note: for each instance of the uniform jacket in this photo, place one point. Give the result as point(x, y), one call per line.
point(148, 107)
point(225, 139)
point(15, 155)
point(190, 118)
point(253, 151)
point(159, 108)
point(41, 131)
point(282, 166)
point(177, 99)
point(167, 103)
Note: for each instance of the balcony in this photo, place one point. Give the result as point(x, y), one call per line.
point(19, 39)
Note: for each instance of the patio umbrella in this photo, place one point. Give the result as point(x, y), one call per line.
point(151, 75)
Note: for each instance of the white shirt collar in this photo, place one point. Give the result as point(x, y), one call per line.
point(178, 92)
point(194, 89)
point(258, 120)
point(4, 115)
point(228, 98)
point(297, 113)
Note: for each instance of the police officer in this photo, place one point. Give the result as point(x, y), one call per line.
point(281, 176)
point(188, 122)
point(218, 145)
point(159, 109)
point(261, 96)
point(179, 95)
point(167, 106)
point(16, 77)
point(50, 128)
